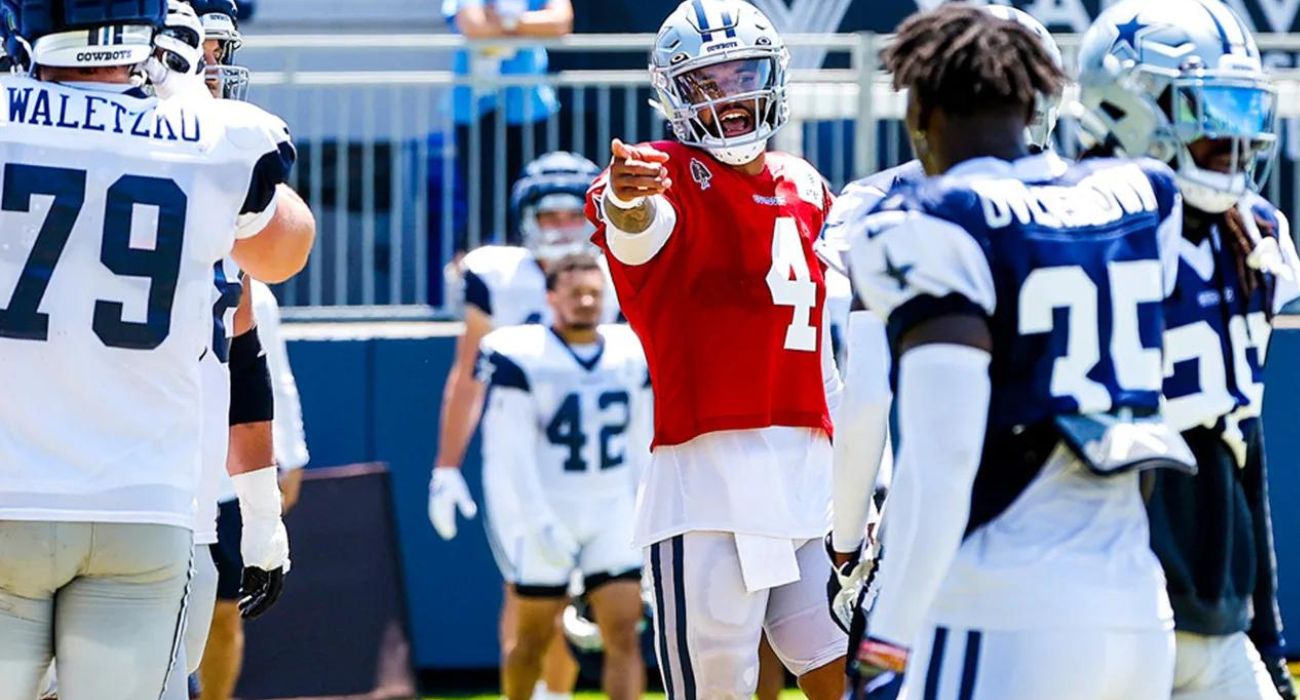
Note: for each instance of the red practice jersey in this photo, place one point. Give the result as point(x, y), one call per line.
point(729, 311)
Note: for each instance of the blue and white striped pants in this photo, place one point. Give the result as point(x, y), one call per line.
point(708, 625)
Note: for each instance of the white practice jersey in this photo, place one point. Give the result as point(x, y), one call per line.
point(215, 368)
point(580, 415)
point(115, 208)
point(507, 284)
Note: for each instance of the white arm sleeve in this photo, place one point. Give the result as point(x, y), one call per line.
point(289, 439)
point(831, 382)
point(510, 429)
point(943, 403)
point(640, 248)
point(1169, 233)
point(861, 429)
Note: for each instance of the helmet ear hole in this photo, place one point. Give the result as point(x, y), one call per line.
point(1113, 110)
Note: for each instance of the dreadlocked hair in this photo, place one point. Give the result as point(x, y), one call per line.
point(1241, 245)
point(965, 60)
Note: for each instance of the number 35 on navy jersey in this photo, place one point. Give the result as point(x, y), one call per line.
point(1068, 262)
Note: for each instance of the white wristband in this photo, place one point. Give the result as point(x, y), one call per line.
point(621, 203)
point(259, 492)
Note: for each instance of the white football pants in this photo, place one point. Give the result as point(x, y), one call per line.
point(116, 593)
point(1223, 667)
point(950, 663)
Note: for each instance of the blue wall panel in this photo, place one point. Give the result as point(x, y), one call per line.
point(453, 589)
point(377, 400)
point(334, 383)
point(1281, 415)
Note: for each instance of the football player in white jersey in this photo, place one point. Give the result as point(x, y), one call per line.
point(506, 286)
point(106, 306)
point(565, 436)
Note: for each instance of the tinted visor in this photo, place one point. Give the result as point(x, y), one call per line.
point(1247, 112)
point(720, 81)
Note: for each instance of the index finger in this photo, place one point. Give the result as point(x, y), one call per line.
point(643, 154)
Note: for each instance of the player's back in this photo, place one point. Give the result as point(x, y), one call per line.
point(115, 207)
point(1069, 264)
point(738, 282)
point(585, 398)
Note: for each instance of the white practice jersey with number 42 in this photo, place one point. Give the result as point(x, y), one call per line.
point(114, 209)
point(581, 414)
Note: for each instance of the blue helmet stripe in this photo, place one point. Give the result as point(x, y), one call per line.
point(1223, 33)
point(729, 24)
point(703, 18)
point(1247, 39)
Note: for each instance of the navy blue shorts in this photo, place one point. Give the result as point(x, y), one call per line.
point(225, 553)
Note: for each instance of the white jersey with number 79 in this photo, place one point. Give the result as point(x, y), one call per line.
point(114, 207)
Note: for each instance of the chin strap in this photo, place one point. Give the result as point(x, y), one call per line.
point(739, 155)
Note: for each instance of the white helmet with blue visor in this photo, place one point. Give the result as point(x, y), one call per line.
point(1181, 81)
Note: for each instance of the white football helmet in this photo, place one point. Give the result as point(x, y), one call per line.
point(1047, 108)
point(180, 41)
point(221, 23)
point(719, 69)
point(555, 182)
point(1156, 76)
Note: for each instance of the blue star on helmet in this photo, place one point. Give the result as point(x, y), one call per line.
point(898, 273)
point(1128, 32)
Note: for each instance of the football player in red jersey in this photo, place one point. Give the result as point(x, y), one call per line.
point(710, 247)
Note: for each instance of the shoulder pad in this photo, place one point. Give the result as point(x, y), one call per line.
point(909, 265)
point(249, 127)
point(527, 339)
point(495, 258)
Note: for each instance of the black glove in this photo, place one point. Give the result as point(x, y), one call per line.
point(1281, 675)
point(258, 591)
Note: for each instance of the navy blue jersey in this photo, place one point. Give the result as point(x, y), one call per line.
point(1068, 262)
point(1217, 335)
point(1213, 531)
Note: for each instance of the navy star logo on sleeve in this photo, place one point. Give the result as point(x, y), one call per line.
point(898, 273)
